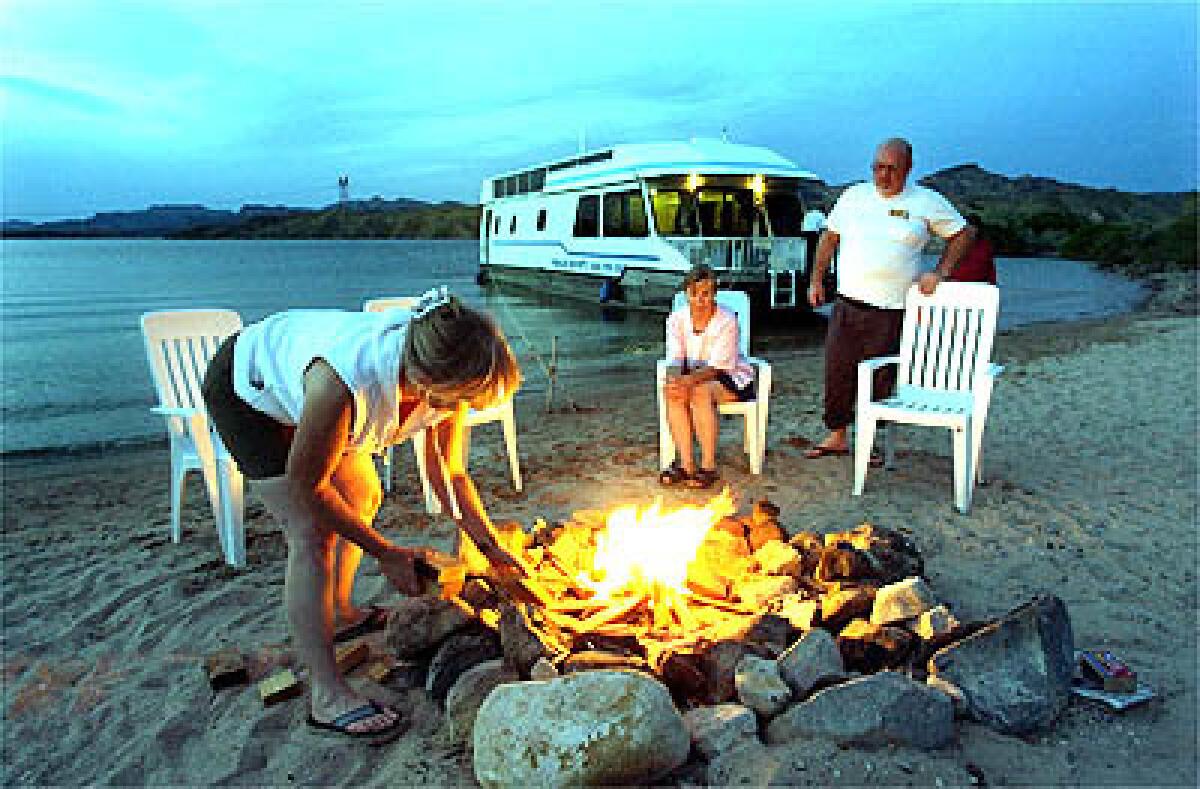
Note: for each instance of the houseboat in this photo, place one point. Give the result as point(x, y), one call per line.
point(622, 225)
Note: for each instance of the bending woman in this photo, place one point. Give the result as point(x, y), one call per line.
point(707, 370)
point(302, 400)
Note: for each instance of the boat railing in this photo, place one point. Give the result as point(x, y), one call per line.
point(744, 254)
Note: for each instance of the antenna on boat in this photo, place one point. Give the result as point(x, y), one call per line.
point(724, 134)
point(343, 188)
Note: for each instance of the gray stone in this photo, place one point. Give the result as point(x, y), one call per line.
point(1015, 673)
point(813, 659)
point(752, 764)
point(462, 650)
point(902, 600)
point(759, 685)
point(468, 693)
point(720, 728)
point(873, 711)
point(543, 669)
point(935, 623)
point(584, 729)
point(418, 624)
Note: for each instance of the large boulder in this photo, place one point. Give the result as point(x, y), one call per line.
point(585, 729)
point(1014, 674)
point(877, 710)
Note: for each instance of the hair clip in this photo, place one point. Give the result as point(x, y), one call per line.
point(430, 300)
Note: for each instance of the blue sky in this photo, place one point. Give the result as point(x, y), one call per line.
point(118, 104)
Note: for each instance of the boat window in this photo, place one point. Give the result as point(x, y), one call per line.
point(587, 217)
point(541, 220)
point(726, 212)
point(625, 215)
point(674, 212)
point(496, 229)
point(785, 212)
point(512, 225)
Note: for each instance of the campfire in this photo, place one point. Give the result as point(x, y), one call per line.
point(657, 587)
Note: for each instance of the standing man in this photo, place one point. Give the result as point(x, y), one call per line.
point(881, 228)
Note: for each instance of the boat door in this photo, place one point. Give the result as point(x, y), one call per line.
point(485, 237)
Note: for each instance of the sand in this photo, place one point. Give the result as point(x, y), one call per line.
point(1091, 456)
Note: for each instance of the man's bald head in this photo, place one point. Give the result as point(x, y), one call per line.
point(893, 161)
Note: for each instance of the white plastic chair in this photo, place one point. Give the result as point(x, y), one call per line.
point(179, 346)
point(945, 378)
point(753, 411)
point(501, 413)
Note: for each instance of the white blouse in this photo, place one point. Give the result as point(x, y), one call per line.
point(717, 346)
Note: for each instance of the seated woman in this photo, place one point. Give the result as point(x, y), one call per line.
point(302, 400)
point(707, 369)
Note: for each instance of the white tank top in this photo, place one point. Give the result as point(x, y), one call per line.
point(363, 348)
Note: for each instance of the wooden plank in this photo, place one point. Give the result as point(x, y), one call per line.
point(350, 656)
point(226, 668)
point(280, 686)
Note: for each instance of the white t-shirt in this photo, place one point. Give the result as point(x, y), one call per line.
point(363, 348)
point(881, 238)
point(717, 346)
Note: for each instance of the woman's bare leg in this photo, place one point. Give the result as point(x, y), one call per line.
point(705, 399)
point(358, 481)
point(309, 603)
point(679, 418)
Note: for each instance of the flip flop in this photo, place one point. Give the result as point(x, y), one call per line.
point(375, 620)
point(821, 452)
point(341, 724)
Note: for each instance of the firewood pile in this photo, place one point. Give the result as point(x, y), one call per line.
point(744, 583)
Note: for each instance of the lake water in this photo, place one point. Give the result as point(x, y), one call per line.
point(74, 369)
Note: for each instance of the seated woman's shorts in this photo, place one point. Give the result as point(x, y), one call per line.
point(745, 394)
point(257, 442)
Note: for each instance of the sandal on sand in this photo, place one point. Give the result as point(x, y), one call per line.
point(673, 474)
point(704, 478)
point(820, 452)
point(341, 724)
point(375, 620)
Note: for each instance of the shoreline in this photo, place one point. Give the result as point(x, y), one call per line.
point(105, 621)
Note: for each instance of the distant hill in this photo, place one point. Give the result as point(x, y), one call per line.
point(370, 219)
point(1026, 215)
point(153, 222)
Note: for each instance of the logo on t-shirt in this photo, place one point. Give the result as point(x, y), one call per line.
point(900, 212)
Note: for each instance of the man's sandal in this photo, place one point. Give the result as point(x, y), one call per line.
point(703, 479)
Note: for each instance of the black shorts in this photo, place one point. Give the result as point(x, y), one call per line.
point(258, 443)
point(745, 394)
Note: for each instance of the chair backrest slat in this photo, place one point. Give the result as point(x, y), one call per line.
point(179, 346)
point(948, 335)
point(390, 303)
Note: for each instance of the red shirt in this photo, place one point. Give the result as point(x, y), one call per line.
point(977, 265)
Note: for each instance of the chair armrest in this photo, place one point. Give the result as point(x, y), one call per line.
point(175, 410)
point(877, 362)
point(660, 370)
point(866, 369)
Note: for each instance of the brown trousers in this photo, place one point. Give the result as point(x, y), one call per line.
point(857, 331)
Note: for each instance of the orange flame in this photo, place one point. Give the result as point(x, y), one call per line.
point(641, 550)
